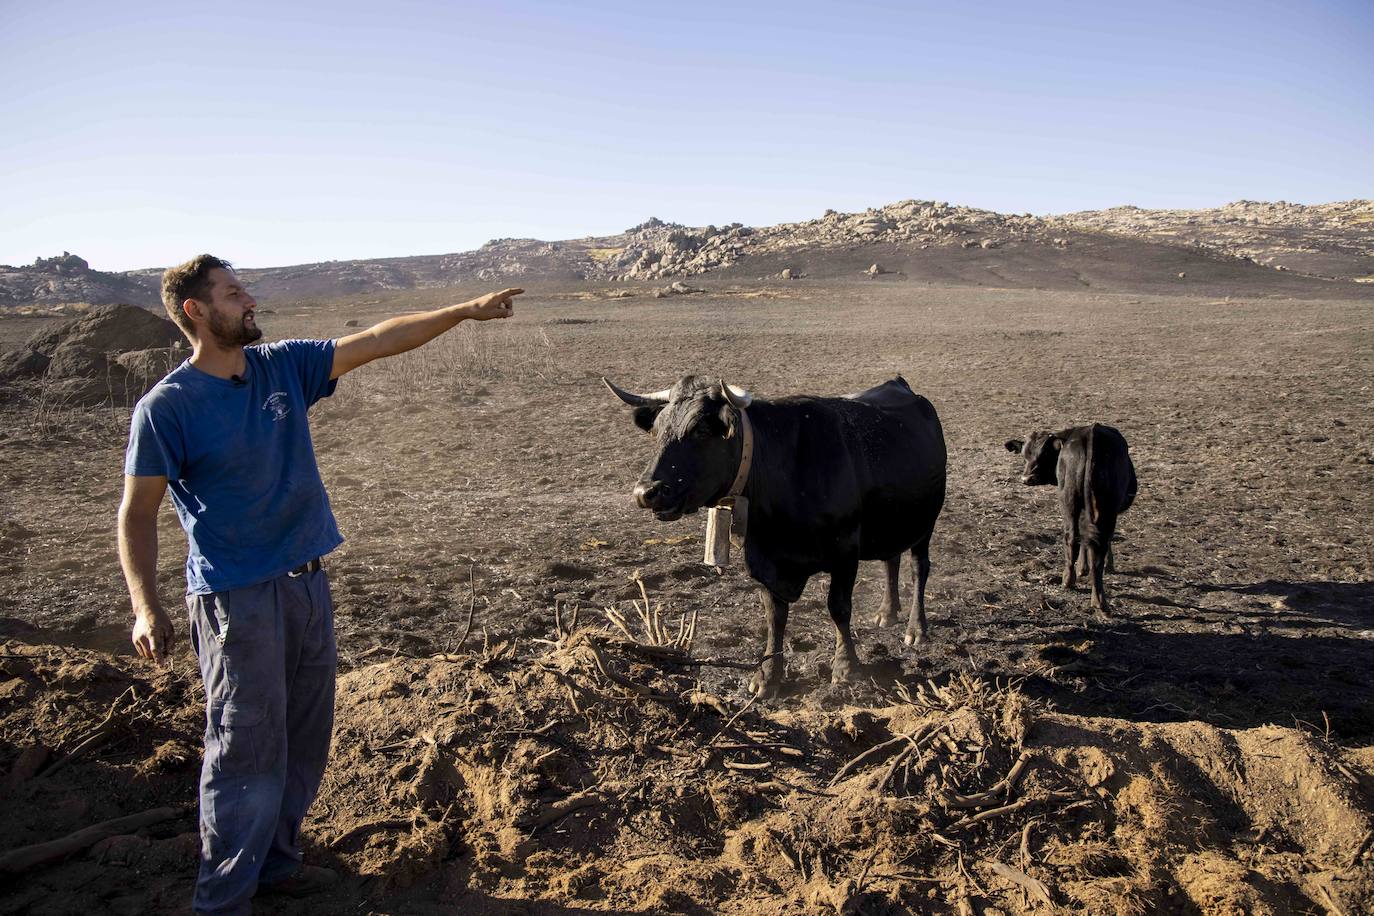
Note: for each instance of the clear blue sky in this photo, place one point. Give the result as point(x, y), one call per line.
point(137, 134)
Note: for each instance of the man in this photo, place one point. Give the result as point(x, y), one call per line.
point(227, 433)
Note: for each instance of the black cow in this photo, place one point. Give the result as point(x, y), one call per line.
point(1092, 467)
point(833, 481)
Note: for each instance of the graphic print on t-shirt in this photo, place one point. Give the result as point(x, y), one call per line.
point(277, 404)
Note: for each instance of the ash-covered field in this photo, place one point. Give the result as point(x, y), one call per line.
point(491, 472)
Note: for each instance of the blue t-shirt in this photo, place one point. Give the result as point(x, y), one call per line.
point(240, 464)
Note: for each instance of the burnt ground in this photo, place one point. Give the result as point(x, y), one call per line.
point(1244, 597)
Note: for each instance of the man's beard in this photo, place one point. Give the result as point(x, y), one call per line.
point(228, 333)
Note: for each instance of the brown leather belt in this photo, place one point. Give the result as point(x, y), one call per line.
point(313, 566)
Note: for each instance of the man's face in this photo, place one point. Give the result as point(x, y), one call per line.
point(230, 311)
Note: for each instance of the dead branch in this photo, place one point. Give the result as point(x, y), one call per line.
point(783, 786)
point(748, 767)
point(619, 622)
point(1037, 889)
point(1051, 798)
point(393, 823)
point(574, 688)
point(94, 737)
point(709, 701)
point(20, 860)
point(564, 633)
point(655, 632)
point(1025, 844)
point(732, 720)
point(380, 649)
point(897, 761)
point(561, 809)
point(472, 605)
point(920, 733)
point(873, 751)
point(786, 750)
point(969, 875)
point(677, 656)
point(599, 660)
point(998, 792)
point(1360, 850)
point(863, 875)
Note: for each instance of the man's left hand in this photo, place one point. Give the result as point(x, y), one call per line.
point(493, 305)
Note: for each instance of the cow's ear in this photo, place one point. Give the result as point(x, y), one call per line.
point(1055, 443)
point(727, 421)
point(1015, 445)
point(645, 416)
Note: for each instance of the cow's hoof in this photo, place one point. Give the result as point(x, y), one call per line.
point(1069, 582)
point(914, 637)
point(1104, 611)
point(763, 688)
point(886, 620)
point(843, 672)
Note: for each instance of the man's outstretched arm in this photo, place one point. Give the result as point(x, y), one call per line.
point(397, 335)
point(153, 634)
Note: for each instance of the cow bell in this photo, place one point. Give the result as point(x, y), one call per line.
point(726, 521)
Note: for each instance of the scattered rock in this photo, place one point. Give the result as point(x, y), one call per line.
point(875, 270)
point(677, 288)
point(351, 323)
point(1182, 274)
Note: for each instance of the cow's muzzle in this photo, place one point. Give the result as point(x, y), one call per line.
point(647, 492)
point(649, 495)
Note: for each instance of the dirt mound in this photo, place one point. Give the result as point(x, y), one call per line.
point(113, 353)
point(591, 772)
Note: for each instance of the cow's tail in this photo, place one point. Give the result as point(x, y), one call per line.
point(1089, 492)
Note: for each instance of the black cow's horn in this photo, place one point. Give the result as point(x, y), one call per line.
point(736, 396)
point(637, 400)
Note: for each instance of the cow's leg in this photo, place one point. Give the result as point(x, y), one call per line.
point(916, 624)
point(1111, 558)
point(768, 679)
point(841, 603)
point(1072, 544)
point(1096, 559)
point(1099, 548)
point(892, 601)
point(1082, 569)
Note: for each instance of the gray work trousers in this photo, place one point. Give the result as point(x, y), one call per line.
point(267, 657)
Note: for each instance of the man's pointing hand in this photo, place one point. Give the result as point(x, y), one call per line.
point(493, 305)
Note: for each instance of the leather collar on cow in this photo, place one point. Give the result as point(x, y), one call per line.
point(746, 459)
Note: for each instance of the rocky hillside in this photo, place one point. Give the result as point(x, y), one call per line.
point(1330, 241)
point(67, 278)
point(1326, 240)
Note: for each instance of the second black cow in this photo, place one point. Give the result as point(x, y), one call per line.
point(1092, 467)
point(832, 481)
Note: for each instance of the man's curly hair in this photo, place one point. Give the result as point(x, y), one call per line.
point(189, 281)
